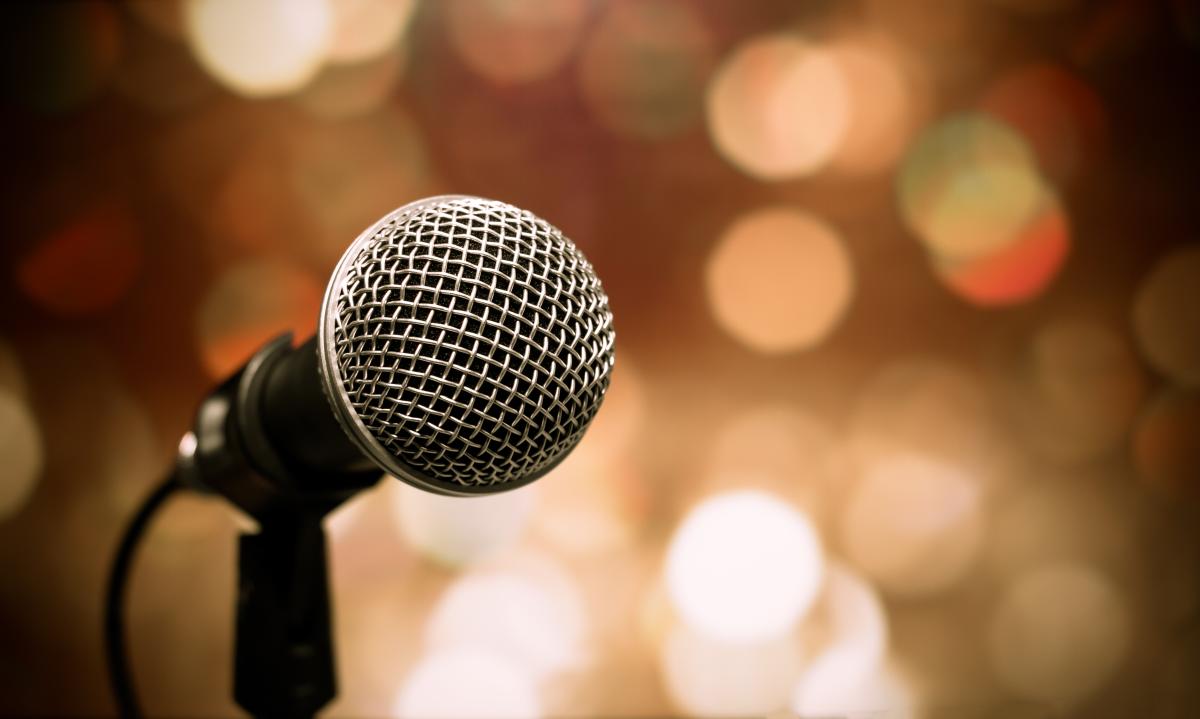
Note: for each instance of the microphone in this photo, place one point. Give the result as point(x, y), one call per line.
point(464, 346)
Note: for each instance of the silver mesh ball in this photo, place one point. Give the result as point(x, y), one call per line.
point(466, 343)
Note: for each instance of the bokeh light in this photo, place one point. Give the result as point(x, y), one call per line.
point(1058, 633)
point(1080, 391)
point(1166, 442)
point(913, 524)
point(341, 91)
point(534, 37)
point(251, 304)
point(886, 100)
point(457, 531)
point(165, 17)
point(709, 677)
point(744, 566)
point(366, 29)
point(850, 629)
point(67, 54)
point(1164, 316)
point(643, 68)
point(467, 683)
point(884, 693)
point(969, 186)
point(1061, 117)
point(779, 107)
point(260, 48)
point(60, 273)
point(21, 453)
point(779, 280)
point(527, 610)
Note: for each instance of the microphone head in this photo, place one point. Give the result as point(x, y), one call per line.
point(465, 344)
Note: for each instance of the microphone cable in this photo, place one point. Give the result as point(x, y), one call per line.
point(116, 654)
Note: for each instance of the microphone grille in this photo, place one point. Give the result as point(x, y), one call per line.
point(466, 344)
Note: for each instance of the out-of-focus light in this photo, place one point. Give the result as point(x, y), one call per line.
point(643, 69)
point(709, 677)
point(852, 627)
point(461, 530)
point(86, 266)
point(1058, 633)
point(779, 280)
point(164, 17)
point(1016, 273)
point(160, 74)
point(780, 448)
point(592, 503)
point(884, 693)
point(250, 304)
point(467, 683)
point(969, 186)
point(366, 29)
point(260, 48)
point(20, 453)
point(534, 37)
point(1166, 443)
point(1164, 316)
point(744, 567)
point(925, 406)
point(1083, 388)
point(12, 376)
point(532, 615)
point(67, 53)
point(340, 91)
point(914, 524)
point(886, 101)
point(778, 107)
point(1061, 117)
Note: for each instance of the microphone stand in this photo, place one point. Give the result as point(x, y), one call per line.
point(283, 648)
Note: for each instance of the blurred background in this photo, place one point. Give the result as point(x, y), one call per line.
point(906, 414)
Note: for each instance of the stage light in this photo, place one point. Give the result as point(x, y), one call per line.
point(1164, 317)
point(778, 107)
point(779, 280)
point(456, 531)
point(913, 524)
point(1166, 441)
point(850, 627)
point(21, 453)
point(531, 614)
point(534, 37)
point(341, 91)
point(467, 683)
point(643, 68)
point(884, 693)
point(367, 29)
point(87, 265)
point(1058, 633)
point(250, 304)
point(260, 48)
point(744, 567)
point(708, 677)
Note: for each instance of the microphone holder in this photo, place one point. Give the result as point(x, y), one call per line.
point(283, 648)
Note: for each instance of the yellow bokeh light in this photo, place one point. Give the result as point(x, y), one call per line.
point(744, 567)
point(1164, 316)
point(1058, 633)
point(365, 29)
point(461, 530)
point(778, 107)
point(779, 280)
point(709, 677)
point(467, 683)
point(534, 37)
point(341, 91)
point(20, 452)
point(850, 621)
point(884, 693)
point(260, 48)
point(1166, 443)
point(914, 524)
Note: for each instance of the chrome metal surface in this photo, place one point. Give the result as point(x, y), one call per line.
point(466, 344)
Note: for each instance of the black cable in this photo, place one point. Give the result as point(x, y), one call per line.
point(119, 673)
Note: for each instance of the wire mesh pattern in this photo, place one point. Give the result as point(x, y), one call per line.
point(473, 340)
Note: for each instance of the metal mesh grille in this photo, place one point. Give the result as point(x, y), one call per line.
point(473, 340)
